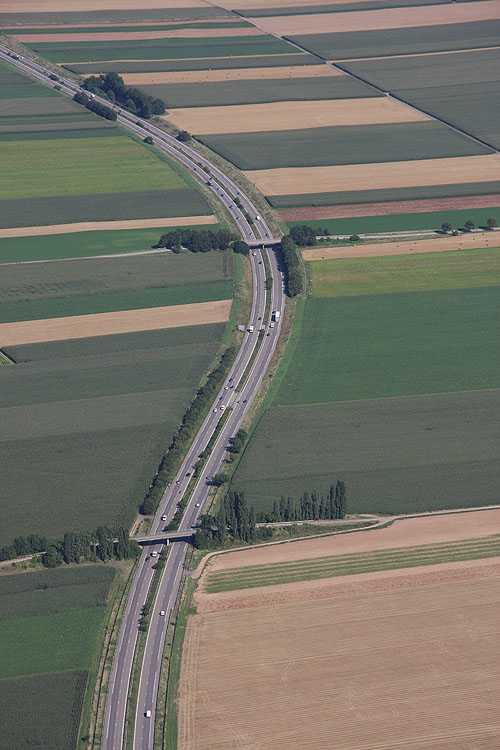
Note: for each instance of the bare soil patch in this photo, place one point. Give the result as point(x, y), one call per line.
point(117, 36)
point(124, 321)
point(390, 18)
point(92, 226)
point(410, 662)
point(389, 208)
point(259, 118)
point(234, 74)
point(406, 532)
point(252, 4)
point(449, 171)
point(410, 247)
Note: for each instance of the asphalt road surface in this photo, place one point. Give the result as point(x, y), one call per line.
point(236, 396)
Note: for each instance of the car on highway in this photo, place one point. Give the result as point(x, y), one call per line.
point(154, 554)
point(222, 407)
point(226, 387)
point(162, 613)
point(177, 481)
point(197, 505)
point(148, 714)
point(215, 411)
point(163, 518)
point(188, 474)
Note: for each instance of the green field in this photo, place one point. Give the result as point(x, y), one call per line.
point(160, 49)
point(375, 346)
point(87, 304)
point(84, 244)
point(42, 104)
point(131, 15)
point(42, 711)
point(403, 41)
point(352, 564)
point(340, 8)
point(209, 63)
point(261, 90)
point(395, 455)
point(106, 408)
point(50, 591)
point(340, 198)
point(49, 643)
point(405, 273)
point(126, 29)
point(138, 204)
point(363, 144)
point(399, 222)
point(80, 166)
point(89, 130)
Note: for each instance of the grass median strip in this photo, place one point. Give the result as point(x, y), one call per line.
point(330, 567)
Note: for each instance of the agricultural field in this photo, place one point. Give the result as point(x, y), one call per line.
point(87, 169)
point(46, 656)
point(386, 336)
point(390, 611)
point(107, 408)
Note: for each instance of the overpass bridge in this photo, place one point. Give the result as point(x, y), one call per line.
point(164, 536)
point(263, 243)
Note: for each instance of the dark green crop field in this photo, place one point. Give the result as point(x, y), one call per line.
point(82, 244)
point(137, 204)
point(38, 105)
point(418, 72)
point(405, 273)
point(376, 346)
point(340, 8)
point(28, 281)
point(106, 409)
point(110, 16)
point(42, 711)
point(49, 643)
point(211, 63)
point(383, 195)
point(442, 38)
point(161, 49)
point(364, 144)
point(395, 455)
point(399, 222)
point(87, 304)
point(474, 108)
point(25, 91)
point(261, 90)
point(88, 131)
point(48, 591)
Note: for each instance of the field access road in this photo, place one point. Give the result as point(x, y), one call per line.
point(214, 179)
point(234, 400)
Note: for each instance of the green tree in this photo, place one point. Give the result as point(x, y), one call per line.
point(52, 557)
point(240, 246)
point(492, 223)
point(340, 500)
point(183, 136)
point(446, 226)
point(469, 225)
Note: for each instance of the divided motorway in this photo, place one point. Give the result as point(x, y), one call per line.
point(235, 396)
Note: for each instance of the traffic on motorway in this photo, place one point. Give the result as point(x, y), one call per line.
point(236, 396)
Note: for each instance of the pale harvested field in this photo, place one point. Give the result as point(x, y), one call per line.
point(117, 36)
point(103, 324)
point(258, 118)
point(93, 226)
point(412, 664)
point(403, 533)
point(390, 18)
point(233, 74)
point(54, 6)
point(423, 172)
point(410, 247)
point(389, 208)
point(221, 19)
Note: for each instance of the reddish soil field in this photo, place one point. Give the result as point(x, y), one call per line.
point(93, 226)
point(410, 661)
point(388, 209)
point(117, 36)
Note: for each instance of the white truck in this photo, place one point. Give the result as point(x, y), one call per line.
point(276, 315)
point(250, 329)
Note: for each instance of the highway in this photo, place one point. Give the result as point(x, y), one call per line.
point(235, 396)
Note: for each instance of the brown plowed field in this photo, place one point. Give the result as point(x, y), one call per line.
point(92, 226)
point(388, 209)
point(124, 321)
point(234, 74)
point(390, 18)
point(222, 19)
point(117, 36)
point(258, 118)
point(406, 532)
point(411, 663)
point(411, 247)
point(424, 172)
point(252, 4)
